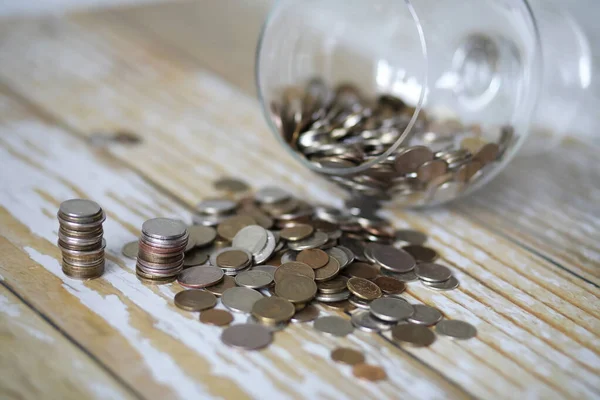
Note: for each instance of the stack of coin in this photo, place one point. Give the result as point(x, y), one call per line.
point(80, 238)
point(161, 250)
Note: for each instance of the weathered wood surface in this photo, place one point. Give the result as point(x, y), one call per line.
point(526, 251)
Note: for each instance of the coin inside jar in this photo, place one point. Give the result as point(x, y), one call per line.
point(347, 356)
point(363, 289)
point(390, 285)
point(314, 258)
point(297, 232)
point(361, 270)
point(195, 300)
point(200, 277)
point(216, 317)
point(273, 310)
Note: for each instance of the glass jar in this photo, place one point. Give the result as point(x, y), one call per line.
point(416, 101)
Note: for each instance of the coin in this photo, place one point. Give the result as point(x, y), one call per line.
point(240, 299)
point(200, 277)
point(409, 160)
point(271, 327)
point(202, 235)
point(296, 288)
point(273, 310)
point(361, 270)
point(433, 272)
point(431, 169)
point(316, 240)
point(335, 285)
point(340, 255)
point(195, 300)
point(196, 257)
point(410, 236)
point(425, 315)
point(294, 268)
point(347, 356)
point(369, 372)
point(254, 279)
point(271, 195)
point(252, 238)
point(79, 208)
point(332, 297)
point(391, 309)
point(164, 228)
point(264, 254)
point(367, 322)
point(247, 336)
point(488, 153)
point(409, 276)
point(343, 305)
point(230, 257)
point(359, 303)
point(314, 258)
point(421, 254)
point(412, 334)
point(232, 185)
point(130, 250)
point(328, 272)
point(456, 329)
point(363, 289)
point(219, 288)
point(231, 226)
point(393, 259)
point(389, 285)
point(297, 232)
point(334, 326)
point(270, 269)
point(216, 206)
point(216, 317)
point(450, 284)
point(307, 314)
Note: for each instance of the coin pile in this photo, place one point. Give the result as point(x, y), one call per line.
point(161, 250)
point(80, 238)
point(339, 128)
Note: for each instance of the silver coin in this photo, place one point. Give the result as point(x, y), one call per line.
point(403, 277)
point(271, 195)
point(266, 251)
point(266, 268)
point(391, 309)
point(359, 303)
point(131, 249)
point(164, 228)
point(254, 279)
point(425, 315)
point(349, 254)
point(433, 272)
point(450, 284)
point(209, 220)
point(334, 326)
point(456, 329)
point(273, 328)
point(318, 239)
point(368, 251)
point(252, 238)
point(339, 255)
point(247, 336)
point(240, 299)
point(201, 235)
point(409, 236)
point(289, 256)
point(79, 208)
point(394, 259)
point(355, 247)
point(216, 206)
point(332, 297)
point(365, 321)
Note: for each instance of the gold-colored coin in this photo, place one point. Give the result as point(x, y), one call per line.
point(347, 356)
point(329, 271)
point(231, 226)
point(314, 258)
point(273, 310)
point(216, 317)
point(294, 268)
point(195, 300)
point(363, 289)
point(343, 305)
point(369, 372)
point(219, 288)
point(473, 144)
point(232, 259)
point(296, 288)
point(296, 232)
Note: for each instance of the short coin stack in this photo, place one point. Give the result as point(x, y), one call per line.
point(161, 250)
point(80, 238)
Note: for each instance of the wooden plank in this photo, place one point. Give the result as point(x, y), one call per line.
point(134, 329)
point(37, 361)
point(176, 104)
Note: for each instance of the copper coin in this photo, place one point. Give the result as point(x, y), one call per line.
point(314, 258)
point(200, 277)
point(369, 372)
point(296, 232)
point(409, 160)
point(294, 268)
point(361, 270)
point(231, 226)
point(343, 305)
point(307, 314)
point(431, 170)
point(195, 300)
point(219, 288)
point(389, 285)
point(421, 254)
point(329, 271)
point(347, 356)
point(232, 259)
point(412, 334)
point(487, 153)
point(363, 289)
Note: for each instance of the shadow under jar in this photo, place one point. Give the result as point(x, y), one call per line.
point(417, 102)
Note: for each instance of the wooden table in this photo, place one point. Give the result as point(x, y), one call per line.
point(526, 250)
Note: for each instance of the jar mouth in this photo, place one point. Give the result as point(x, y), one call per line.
point(270, 113)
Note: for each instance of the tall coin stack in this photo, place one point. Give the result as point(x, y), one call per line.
point(80, 238)
point(161, 247)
